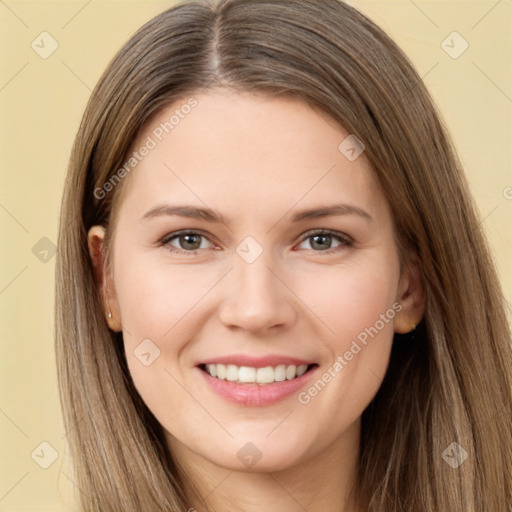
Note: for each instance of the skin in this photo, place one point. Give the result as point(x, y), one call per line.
point(256, 161)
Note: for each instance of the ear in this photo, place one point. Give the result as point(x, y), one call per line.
point(103, 278)
point(411, 295)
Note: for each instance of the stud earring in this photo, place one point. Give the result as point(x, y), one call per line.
point(109, 314)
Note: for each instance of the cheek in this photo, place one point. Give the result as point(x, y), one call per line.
point(158, 307)
point(350, 298)
point(156, 300)
point(162, 307)
point(358, 310)
point(160, 301)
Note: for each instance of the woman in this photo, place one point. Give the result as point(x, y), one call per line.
point(212, 353)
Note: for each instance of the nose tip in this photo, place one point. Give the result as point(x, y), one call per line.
point(255, 299)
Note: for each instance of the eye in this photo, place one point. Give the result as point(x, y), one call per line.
point(188, 242)
point(322, 240)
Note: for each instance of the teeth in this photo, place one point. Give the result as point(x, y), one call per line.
point(280, 373)
point(221, 371)
point(301, 370)
point(291, 371)
point(247, 374)
point(265, 375)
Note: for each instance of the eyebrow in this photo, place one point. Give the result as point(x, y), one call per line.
point(210, 216)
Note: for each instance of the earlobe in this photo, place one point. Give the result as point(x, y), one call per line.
point(95, 241)
point(411, 296)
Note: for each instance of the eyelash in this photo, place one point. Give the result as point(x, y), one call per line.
point(345, 240)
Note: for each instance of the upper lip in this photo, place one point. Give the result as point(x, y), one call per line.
point(256, 362)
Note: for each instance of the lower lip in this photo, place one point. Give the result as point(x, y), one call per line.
point(256, 395)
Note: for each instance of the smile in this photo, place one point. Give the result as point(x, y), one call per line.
point(256, 386)
point(253, 375)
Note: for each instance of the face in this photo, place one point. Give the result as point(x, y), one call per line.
point(256, 280)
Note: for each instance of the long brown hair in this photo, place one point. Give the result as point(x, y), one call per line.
point(451, 383)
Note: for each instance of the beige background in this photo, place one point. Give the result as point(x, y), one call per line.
point(41, 103)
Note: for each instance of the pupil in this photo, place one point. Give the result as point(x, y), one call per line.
point(187, 238)
point(323, 237)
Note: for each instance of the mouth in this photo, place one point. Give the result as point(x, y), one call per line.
point(266, 375)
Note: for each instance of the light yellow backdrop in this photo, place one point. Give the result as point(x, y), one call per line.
point(42, 97)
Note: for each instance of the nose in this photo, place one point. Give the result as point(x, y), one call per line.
point(257, 298)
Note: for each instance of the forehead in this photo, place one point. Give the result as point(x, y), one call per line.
point(232, 150)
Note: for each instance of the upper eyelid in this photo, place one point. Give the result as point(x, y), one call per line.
point(312, 232)
point(175, 234)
